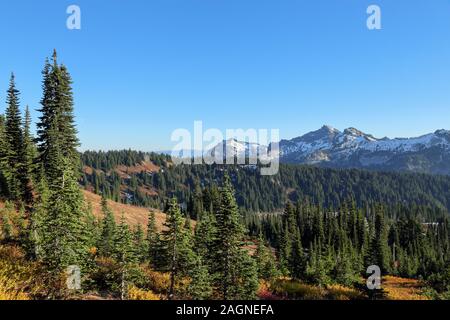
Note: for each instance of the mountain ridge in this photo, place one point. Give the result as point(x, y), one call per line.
point(353, 148)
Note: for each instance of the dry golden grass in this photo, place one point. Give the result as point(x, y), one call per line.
point(286, 288)
point(291, 289)
point(139, 294)
point(19, 278)
point(403, 289)
point(339, 292)
point(133, 215)
point(144, 166)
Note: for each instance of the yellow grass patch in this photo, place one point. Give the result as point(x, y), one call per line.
point(133, 215)
point(403, 289)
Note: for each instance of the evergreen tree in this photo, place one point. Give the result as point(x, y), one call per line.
point(63, 234)
point(153, 239)
point(106, 244)
point(265, 260)
point(140, 243)
point(15, 155)
point(234, 278)
point(204, 238)
point(200, 287)
point(179, 253)
point(124, 254)
point(29, 150)
point(38, 214)
point(379, 250)
point(56, 125)
point(3, 159)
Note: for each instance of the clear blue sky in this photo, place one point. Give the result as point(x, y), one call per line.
point(143, 68)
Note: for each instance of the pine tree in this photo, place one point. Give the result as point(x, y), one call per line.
point(139, 243)
point(200, 287)
point(297, 262)
point(153, 240)
point(379, 250)
point(38, 214)
point(124, 254)
point(265, 261)
point(56, 125)
point(3, 160)
point(15, 154)
point(29, 150)
point(204, 238)
point(63, 235)
point(106, 244)
point(234, 278)
point(179, 253)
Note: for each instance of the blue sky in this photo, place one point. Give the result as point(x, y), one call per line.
point(143, 68)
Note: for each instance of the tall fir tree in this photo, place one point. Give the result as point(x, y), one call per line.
point(154, 250)
point(233, 275)
point(56, 124)
point(179, 254)
point(106, 241)
point(379, 250)
point(63, 235)
point(16, 174)
point(125, 254)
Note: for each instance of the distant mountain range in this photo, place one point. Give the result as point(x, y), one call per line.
point(353, 148)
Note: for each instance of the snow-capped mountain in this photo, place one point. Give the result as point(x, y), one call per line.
point(352, 148)
point(239, 149)
point(355, 149)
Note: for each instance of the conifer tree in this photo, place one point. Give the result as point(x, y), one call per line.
point(29, 151)
point(36, 225)
point(63, 235)
point(232, 266)
point(140, 243)
point(200, 287)
point(265, 261)
point(297, 262)
point(3, 159)
point(379, 250)
point(179, 253)
point(204, 238)
point(56, 124)
point(153, 240)
point(106, 244)
point(124, 254)
point(16, 174)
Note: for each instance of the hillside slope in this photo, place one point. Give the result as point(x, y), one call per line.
point(134, 215)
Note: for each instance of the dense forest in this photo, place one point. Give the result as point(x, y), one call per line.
point(229, 233)
point(256, 193)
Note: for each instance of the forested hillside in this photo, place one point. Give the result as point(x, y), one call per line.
point(122, 177)
point(304, 233)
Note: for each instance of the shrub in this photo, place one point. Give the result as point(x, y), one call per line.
point(135, 293)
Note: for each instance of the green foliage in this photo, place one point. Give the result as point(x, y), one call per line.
point(200, 287)
point(265, 261)
point(62, 235)
point(178, 245)
point(106, 243)
point(235, 272)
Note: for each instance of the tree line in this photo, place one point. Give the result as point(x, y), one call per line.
point(47, 216)
point(263, 194)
